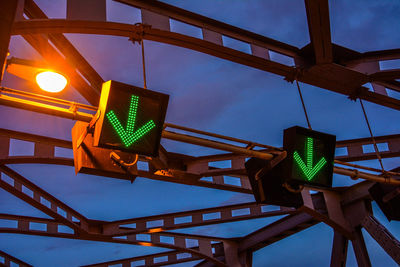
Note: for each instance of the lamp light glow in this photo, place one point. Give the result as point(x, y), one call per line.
point(51, 81)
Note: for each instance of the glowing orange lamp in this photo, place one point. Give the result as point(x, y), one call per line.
point(50, 81)
point(47, 79)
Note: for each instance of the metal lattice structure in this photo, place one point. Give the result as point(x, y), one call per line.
point(321, 63)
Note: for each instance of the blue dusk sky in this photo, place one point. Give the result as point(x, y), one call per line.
point(209, 94)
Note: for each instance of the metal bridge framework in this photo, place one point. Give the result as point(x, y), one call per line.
point(320, 63)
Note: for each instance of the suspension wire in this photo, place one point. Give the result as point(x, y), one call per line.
point(144, 66)
point(304, 107)
point(288, 186)
point(378, 155)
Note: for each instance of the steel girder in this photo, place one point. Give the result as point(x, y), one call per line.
point(44, 152)
point(69, 58)
point(207, 246)
point(384, 238)
point(158, 259)
point(324, 75)
point(9, 260)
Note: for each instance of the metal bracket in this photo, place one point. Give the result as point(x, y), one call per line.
point(138, 32)
point(295, 74)
point(89, 129)
point(271, 164)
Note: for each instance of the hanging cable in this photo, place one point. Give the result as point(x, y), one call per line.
point(304, 107)
point(115, 157)
point(378, 155)
point(144, 65)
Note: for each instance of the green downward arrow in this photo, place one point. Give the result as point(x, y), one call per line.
point(129, 135)
point(308, 170)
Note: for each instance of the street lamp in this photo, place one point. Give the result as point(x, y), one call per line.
point(51, 81)
point(47, 79)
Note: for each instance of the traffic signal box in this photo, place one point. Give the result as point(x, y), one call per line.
point(131, 119)
point(267, 184)
point(310, 157)
point(309, 161)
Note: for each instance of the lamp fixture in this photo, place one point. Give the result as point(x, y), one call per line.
point(47, 79)
point(51, 81)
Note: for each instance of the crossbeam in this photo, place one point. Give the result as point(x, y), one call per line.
point(11, 261)
point(383, 237)
point(200, 246)
point(193, 218)
point(27, 191)
point(275, 231)
point(72, 57)
point(323, 75)
point(213, 27)
point(319, 29)
point(158, 259)
point(45, 153)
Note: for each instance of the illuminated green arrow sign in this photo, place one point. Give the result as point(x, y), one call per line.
point(129, 135)
point(308, 170)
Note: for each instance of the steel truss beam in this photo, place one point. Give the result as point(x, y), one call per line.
point(360, 249)
point(45, 153)
point(46, 50)
point(154, 237)
point(324, 76)
point(356, 152)
point(385, 75)
point(213, 30)
point(7, 14)
point(52, 26)
point(9, 260)
point(339, 250)
point(380, 80)
point(38, 198)
point(158, 259)
point(383, 237)
point(354, 209)
point(66, 57)
point(160, 163)
point(319, 29)
point(374, 56)
point(201, 246)
point(265, 236)
point(73, 56)
point(158, 14)
point(276, 231)
point(45, 147)
point(107, 232)
point(192, 218)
